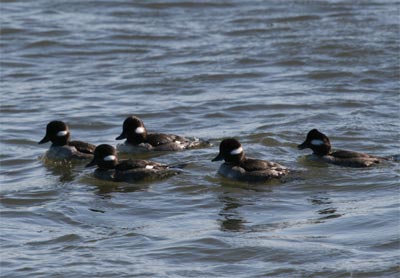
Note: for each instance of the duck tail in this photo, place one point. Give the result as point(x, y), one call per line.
point(394, 158)
point(178, 165)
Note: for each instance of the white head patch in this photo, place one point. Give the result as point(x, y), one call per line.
point(110, 158)
point(149, 166)
point(139, 130)
point(317, 142)
point(237, 151)
point(62, 133)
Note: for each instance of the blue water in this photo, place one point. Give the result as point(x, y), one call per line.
point(265, 72)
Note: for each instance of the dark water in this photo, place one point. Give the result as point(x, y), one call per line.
point(265, 72)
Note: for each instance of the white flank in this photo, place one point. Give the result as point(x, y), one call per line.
point(62, 133)
point(317, 142)
point(149, 167)
point(110, 158)
point(139, 130)
point(237, 151)
point(178, 142)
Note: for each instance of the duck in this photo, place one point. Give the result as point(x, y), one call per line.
point(239, 167)
point(110, 168)
point(138, 139)
point(320, 144)
point(62, 148)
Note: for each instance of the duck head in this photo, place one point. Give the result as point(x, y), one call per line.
point(317, 142)
point(105, 157)
point(231, 151)
point(133, 130)
point(57, 132)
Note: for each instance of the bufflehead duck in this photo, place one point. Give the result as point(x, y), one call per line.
point(62, 148)
point(238, 166)
point(321, 146)
point(138, 139)
point(112, 169)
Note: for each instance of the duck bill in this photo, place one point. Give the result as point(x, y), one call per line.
point(219, 157)
point(122, 136)
point(44, 140)
point(91, 163)
point(303, 146)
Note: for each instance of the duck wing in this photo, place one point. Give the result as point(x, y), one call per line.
point(156, 139)
point(352, 159)
point(83, 147)
point(349, 154)
point(251, 165)
point(132, 164)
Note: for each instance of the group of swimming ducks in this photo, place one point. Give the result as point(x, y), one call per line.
point(236, 165)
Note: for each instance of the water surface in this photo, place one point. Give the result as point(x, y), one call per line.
point(264, 72)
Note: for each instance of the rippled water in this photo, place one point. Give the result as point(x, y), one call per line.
point(264, 72)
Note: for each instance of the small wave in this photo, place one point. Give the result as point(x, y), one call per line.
point(61, 239)
point(194, 62)
point(219, 77)
point(291, 63)
point(250, 61)
point(20, 75)
point(318, 75)
point(298, 18)
point(192, 5)
point(52, 33)
point(371, 81)
point(42, 44)
point(248, 32)
point(25, 202)
point(10, 31)
point(144, 37)
point(16, 64)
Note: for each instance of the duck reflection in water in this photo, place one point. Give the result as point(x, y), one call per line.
point(230, 220)
point(64, 170)
point(327, 211)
